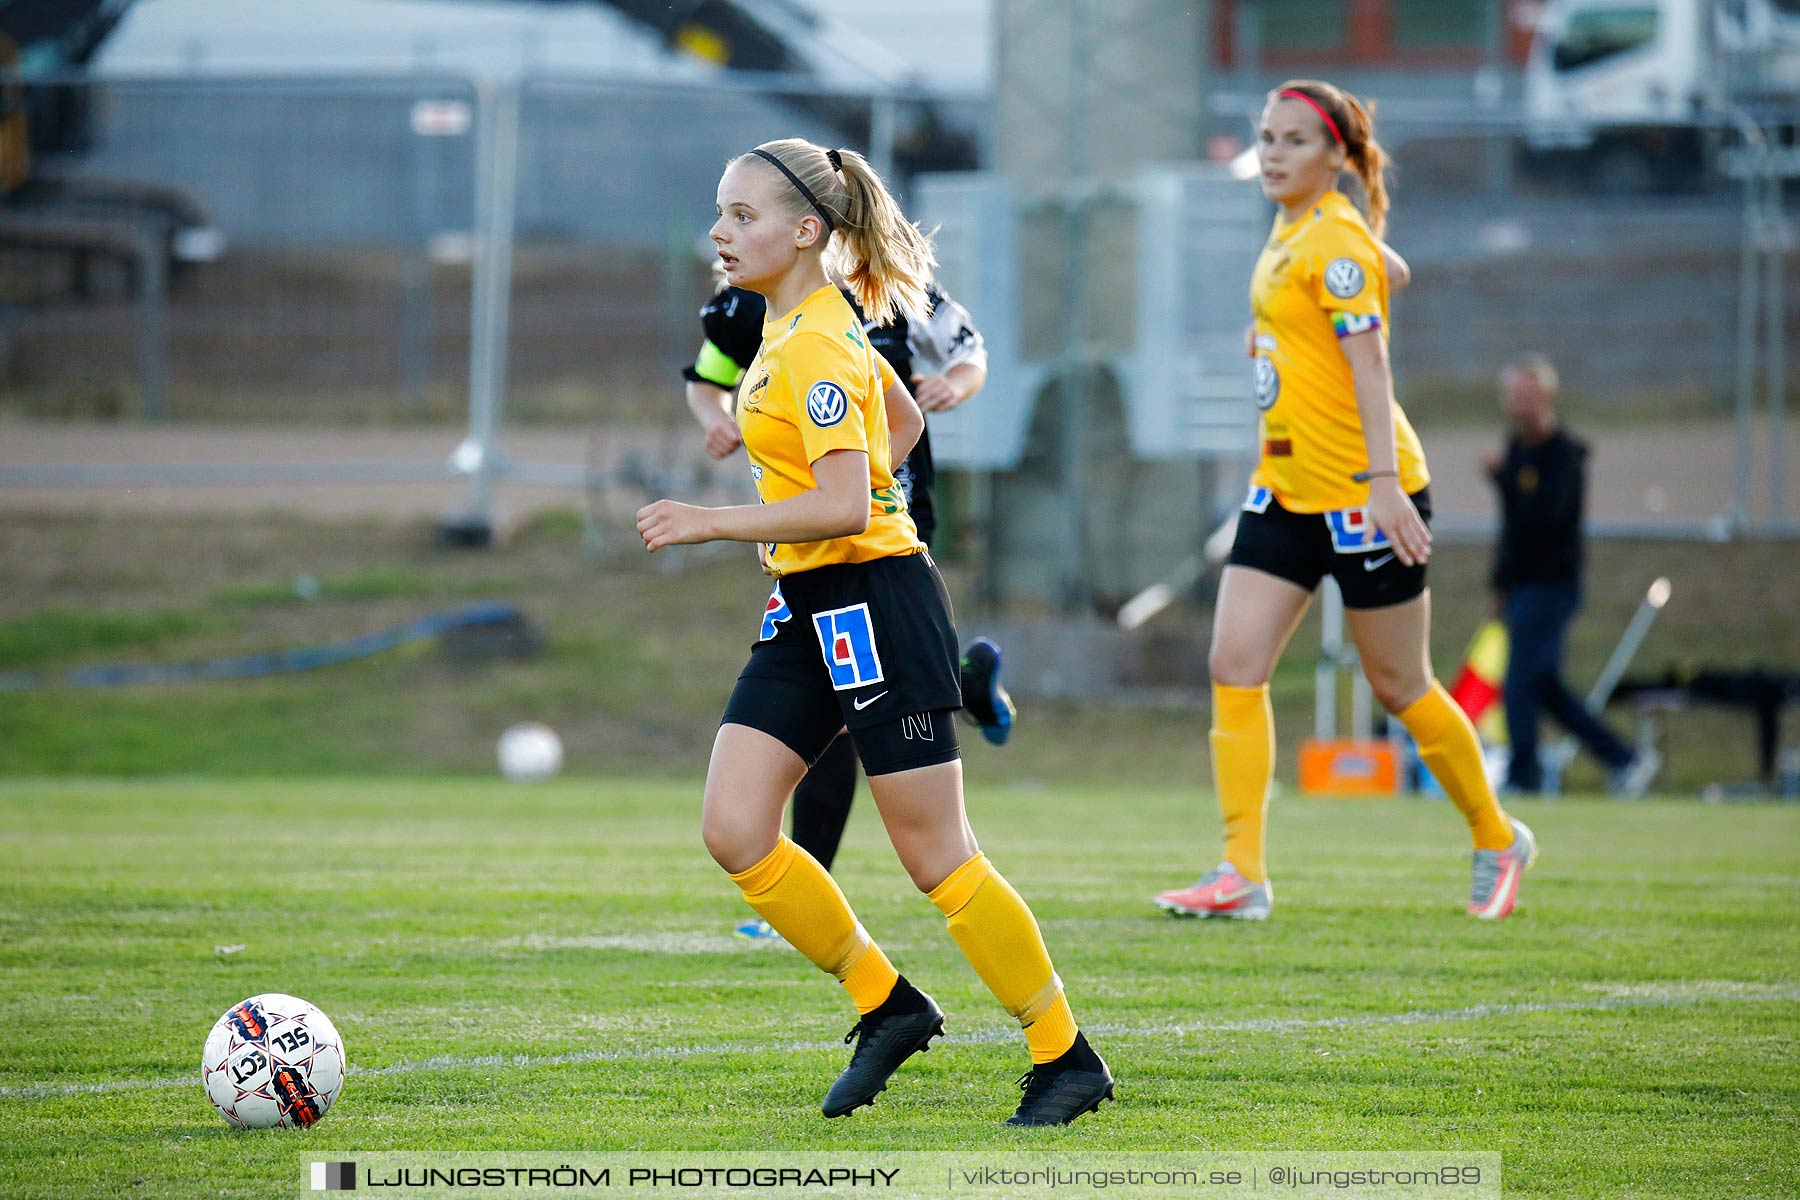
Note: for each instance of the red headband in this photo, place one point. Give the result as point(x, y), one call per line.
point(1291, 94)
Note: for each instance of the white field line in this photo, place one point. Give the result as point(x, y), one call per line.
point(1630, 996)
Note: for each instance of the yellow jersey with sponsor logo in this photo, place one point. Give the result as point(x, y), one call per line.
point(1320, 279)
point(816, 386)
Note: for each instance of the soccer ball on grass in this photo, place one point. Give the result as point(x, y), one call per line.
point(273, 1060)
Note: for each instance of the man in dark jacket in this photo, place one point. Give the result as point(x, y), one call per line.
point(1542, 479)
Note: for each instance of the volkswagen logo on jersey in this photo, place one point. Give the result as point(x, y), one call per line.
point(848, 640)
point(826, 404)
point(1344, 278)
point(774, 613)
point(1268, 383)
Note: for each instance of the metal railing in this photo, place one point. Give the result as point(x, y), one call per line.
point(429, 249)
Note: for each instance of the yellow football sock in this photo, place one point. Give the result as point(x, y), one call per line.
point(1001, 940)
point(1243, 762)
point(1448, 745)
point(794, 894)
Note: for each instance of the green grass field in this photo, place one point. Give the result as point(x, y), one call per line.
point(1631, 1031)
point(640, 653)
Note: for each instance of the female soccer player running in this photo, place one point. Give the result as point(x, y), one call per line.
point(942, 357)
point(1341, 489)
point(858, 631)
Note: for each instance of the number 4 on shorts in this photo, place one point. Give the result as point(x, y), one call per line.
point(847, 639)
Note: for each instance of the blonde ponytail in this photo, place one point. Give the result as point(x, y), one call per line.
point(1354, 130)
point(1368, 160)
point(885, 259)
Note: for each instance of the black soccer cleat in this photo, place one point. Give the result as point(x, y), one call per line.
point(984, 700)
point(902, 1027)
point(1059, 1091)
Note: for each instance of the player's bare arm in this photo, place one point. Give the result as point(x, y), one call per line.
point(837, 507)
point(1389, 506)
point(1398, 273)
point(711, 406)
point(905, 422)
point(941, 393)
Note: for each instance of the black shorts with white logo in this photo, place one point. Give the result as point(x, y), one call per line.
point(1303, 548)
point(866, 646)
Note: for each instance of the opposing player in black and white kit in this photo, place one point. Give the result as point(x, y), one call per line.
point(942, 357)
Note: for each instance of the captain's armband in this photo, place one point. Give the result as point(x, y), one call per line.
point(1350, 324)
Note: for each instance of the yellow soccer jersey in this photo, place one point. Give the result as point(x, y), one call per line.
point(815, 386)
point(1320, 279)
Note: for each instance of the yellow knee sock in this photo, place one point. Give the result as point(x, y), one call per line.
point(1448, 745)
point(1002, 942)
point(794, 894)
point(1243, 760)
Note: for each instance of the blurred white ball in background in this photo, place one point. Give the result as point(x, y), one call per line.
point(530, 751)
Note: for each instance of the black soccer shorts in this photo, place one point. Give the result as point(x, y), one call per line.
point(865, 646)
point(1303, 548)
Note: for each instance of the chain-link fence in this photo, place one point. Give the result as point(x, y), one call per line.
point(321, 237)
point(318, 264)
point(385, 250)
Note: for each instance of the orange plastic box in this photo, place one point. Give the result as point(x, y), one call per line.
point(1348, 767)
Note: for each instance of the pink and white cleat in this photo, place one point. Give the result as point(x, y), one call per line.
point(1221, 892)
point(1495, 885)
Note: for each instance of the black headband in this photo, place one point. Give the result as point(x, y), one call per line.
point(800, 187)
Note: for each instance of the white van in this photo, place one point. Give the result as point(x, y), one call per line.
point(1625, 92)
